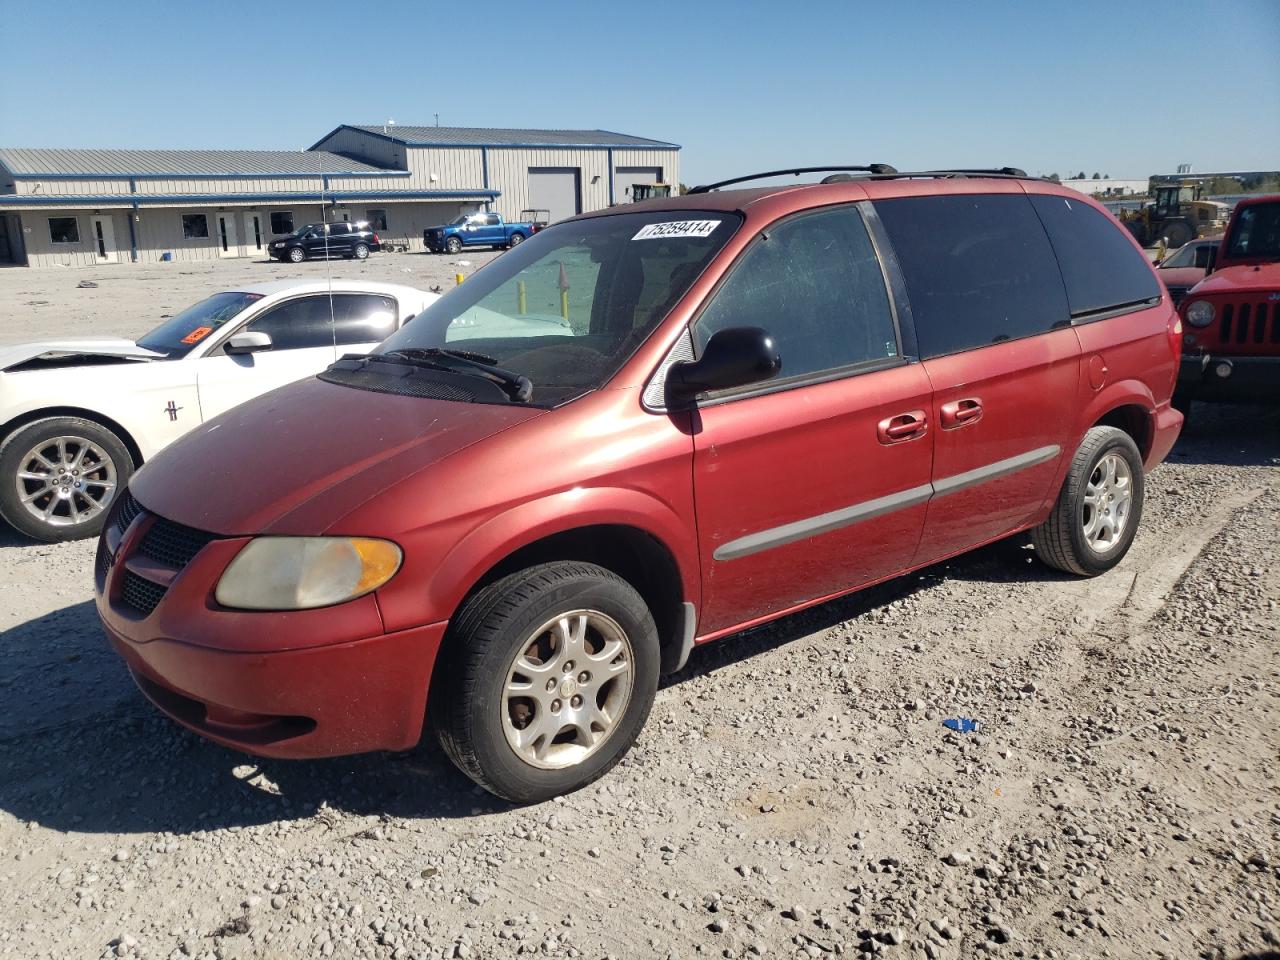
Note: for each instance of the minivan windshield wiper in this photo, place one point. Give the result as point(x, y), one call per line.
point(519, 388)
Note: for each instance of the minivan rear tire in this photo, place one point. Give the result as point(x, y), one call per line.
point(1063, 540)
point(476, 717)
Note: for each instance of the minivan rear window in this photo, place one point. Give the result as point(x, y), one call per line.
point(978, 269)
point(1100, 266)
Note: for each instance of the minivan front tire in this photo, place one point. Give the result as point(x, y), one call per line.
point(1098, 511)
point(297, 254)
point(546, 680)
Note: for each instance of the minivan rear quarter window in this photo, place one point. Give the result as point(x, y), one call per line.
point(978, 268)
point(1100, 267)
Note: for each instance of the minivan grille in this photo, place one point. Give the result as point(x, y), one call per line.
point(166, 543)
point(127, 511)
point(140, 593)
point(173, 544)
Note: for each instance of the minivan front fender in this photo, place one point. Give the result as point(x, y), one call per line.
point(441, 583)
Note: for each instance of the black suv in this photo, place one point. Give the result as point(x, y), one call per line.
point(327, 240)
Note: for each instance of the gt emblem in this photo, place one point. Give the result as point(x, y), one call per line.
point(172, 410)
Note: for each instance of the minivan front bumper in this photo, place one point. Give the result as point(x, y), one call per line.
point(316, 702)
point(301, 683)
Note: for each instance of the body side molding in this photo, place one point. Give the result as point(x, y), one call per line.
point(856, 513)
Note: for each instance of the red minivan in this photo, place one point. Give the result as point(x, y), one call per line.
point(643, 429)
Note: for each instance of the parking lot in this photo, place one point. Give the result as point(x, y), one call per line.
point(794, 794)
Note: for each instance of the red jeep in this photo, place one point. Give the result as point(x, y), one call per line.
point(643, 429)
point(1231, 350)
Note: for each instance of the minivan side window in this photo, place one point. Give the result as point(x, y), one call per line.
point(815, 284)
point(1101, 268)
point(978, 269)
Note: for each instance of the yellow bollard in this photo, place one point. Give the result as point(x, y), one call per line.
point(521, 301)
point(458, 278)
point(564, 304)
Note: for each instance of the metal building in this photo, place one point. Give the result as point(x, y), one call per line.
point(80, 207)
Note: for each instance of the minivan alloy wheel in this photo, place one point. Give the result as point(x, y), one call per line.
point(566, 689)
point(1107, 499)
point(65, 481)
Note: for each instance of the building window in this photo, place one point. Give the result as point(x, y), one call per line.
point(195, 226)
point(282, 222)
point(377, 219)
point(64, 230)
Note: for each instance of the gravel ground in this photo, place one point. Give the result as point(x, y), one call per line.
point(794, 794)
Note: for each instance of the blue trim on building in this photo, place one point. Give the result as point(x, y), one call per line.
point(346, 174)
point(219, 199)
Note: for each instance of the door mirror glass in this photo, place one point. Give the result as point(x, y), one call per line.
point(733, 357)
point(248, 341)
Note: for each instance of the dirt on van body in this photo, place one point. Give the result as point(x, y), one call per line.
point(795, 792)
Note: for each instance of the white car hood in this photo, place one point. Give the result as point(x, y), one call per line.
point(19, 353)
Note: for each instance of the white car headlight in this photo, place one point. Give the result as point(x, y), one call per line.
point(1200, 313)
point(298, 573)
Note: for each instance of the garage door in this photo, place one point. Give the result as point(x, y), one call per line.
point(624, 177)
point(556, 189)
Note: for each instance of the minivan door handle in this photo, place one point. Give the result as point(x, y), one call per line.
point(959, 412)
point(903, 426)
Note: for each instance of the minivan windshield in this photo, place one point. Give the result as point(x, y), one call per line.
point(567, 307)
point(178, 335)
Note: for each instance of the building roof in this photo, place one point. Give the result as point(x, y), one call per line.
point(33, 163)
point(416, 136)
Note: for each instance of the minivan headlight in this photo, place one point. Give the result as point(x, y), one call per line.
point(1200, 313)
point(298, 573)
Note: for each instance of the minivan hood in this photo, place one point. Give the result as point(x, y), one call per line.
point(19, 353)
point(311, 443)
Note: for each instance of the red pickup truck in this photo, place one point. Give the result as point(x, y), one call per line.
point(1231, 342)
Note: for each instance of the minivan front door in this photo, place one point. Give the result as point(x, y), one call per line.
point(816, 483)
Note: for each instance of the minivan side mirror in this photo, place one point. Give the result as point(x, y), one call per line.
point(734, 357)
point(248, 341)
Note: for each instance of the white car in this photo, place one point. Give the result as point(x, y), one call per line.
point(77, 417)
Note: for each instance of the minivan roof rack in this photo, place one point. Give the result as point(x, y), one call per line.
point(875, 169)
point(997, 171)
